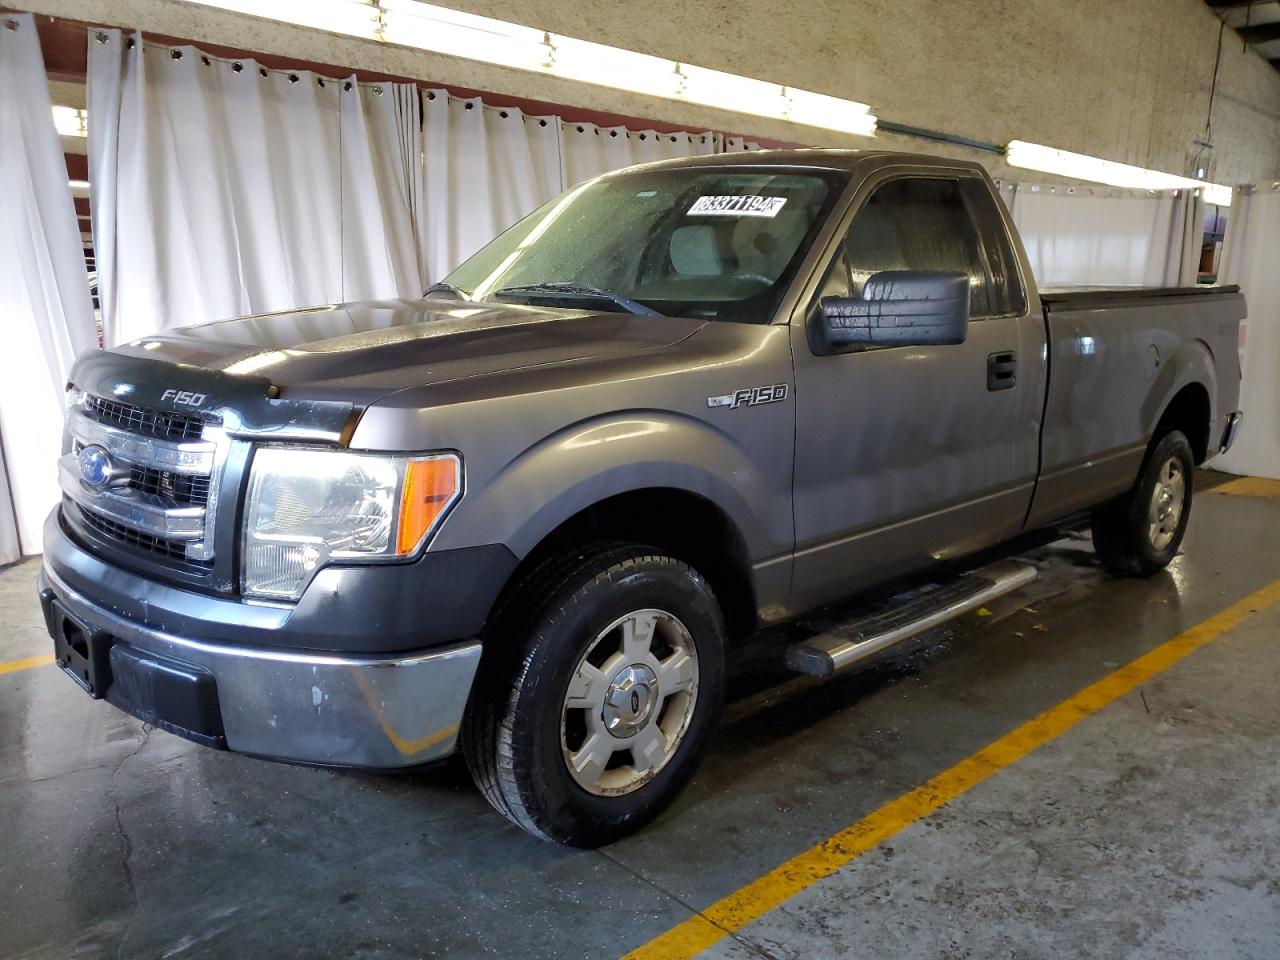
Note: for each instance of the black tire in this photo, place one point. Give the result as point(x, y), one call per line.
point(512, 733)
point(1122, 529)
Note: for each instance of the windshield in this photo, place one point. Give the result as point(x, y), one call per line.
point(704, 242)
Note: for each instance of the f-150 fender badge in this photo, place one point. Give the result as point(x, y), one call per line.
point(750, 396)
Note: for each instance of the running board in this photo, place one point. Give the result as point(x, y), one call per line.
point(842, 645)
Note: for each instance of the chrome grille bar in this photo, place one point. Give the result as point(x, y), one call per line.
point(194, 457)
point(130, 507)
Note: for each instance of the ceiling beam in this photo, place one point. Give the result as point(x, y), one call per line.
point(304, 48)
point(63, 43)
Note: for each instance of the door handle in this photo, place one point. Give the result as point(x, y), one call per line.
point(1002, 370)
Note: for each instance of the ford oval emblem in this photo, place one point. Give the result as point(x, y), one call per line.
point(95, 466)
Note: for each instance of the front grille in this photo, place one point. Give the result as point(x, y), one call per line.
point(176, 488)
point(158, 546)
point(150, 423)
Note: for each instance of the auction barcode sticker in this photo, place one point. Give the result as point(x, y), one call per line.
point(737, 206)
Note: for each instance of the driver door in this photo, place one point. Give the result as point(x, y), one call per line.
point(910, 454)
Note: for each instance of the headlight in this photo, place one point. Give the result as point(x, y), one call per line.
point(307, 507)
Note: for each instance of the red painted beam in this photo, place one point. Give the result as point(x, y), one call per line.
point(77, 166)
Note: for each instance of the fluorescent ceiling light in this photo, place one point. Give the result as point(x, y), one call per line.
point(819, 110)
point(608, 66)
point(728, 91)
point(78, 184)
point(413, 24)
point(1034, 156)
point(70, 122)
point(427, 26)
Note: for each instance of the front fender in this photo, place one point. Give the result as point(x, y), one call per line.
point(600, 457)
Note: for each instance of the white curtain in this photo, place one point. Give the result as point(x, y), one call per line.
point(484, 169)
point(10, 548)
point(221, 188)
point(45, 313)
point(1186, 241)
point(589, 150)
point(407, 166)
point(224, 189)
point(1078, 236)
point(1250, 259)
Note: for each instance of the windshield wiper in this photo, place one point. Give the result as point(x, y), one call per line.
point(562, 289)
point(441, 287)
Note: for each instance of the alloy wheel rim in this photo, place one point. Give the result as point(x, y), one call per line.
point(629, 702)
point(1164, 513)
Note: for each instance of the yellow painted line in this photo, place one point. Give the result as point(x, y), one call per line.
point(408, 746)
point(1249, 487)
point(13, 666)
point(757, 898)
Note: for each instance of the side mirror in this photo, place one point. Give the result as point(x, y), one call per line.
point(901, 308)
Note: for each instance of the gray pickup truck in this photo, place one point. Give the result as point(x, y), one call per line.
point(530, 515)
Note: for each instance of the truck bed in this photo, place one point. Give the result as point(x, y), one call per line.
point(1115, 353)
point(1082, 297)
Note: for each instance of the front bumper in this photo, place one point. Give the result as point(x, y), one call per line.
point(379, 711)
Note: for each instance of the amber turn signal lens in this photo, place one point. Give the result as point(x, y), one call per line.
point(429, 488)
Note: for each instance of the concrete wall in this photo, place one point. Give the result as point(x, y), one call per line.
point(1127, 81)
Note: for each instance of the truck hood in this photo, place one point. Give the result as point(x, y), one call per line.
point(360, 351)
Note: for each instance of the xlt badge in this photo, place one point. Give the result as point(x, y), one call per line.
point(750, 396)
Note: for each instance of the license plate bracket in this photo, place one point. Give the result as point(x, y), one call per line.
point(83, 653)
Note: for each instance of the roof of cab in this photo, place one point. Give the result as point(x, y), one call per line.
point(828, 158)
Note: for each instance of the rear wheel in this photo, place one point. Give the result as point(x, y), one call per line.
point(587, 725)
point(1140, 532)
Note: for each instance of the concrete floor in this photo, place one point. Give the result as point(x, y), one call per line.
point(1148, 830)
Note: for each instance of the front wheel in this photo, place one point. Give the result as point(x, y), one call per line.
point(1140, 532)
point(588, 725)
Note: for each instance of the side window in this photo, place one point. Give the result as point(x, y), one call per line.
point(1007, 295)
point(920, 223)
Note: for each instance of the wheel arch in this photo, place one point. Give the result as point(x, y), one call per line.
point(1183, 396)
point(652, 477)
point(687, 525)
point(1190, 412)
